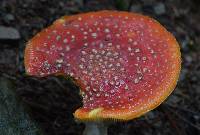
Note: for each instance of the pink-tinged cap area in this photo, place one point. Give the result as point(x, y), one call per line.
point(125, 64)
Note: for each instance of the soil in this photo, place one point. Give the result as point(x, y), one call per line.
point(52, 100)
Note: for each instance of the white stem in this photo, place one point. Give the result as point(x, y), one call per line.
point(95, 128)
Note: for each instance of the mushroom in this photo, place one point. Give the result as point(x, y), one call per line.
point(126, 64)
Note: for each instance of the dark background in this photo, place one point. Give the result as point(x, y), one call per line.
point(52, 100)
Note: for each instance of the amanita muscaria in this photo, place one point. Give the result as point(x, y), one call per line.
point(126, 64)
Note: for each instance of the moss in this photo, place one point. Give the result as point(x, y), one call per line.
point(13, 118)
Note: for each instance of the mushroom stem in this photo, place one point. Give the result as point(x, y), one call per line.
point(95, 128)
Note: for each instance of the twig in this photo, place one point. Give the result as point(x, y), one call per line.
point(172, 122)
point(36, 105)
point(182, 118)
point(182, 109)
point(9, 76)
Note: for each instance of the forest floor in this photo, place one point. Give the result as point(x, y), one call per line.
point(52, 100)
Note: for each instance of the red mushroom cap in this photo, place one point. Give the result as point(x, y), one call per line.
point(126, 64)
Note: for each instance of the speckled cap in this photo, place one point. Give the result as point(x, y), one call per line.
point(126, 64)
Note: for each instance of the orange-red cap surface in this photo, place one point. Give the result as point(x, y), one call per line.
point(126, 64)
